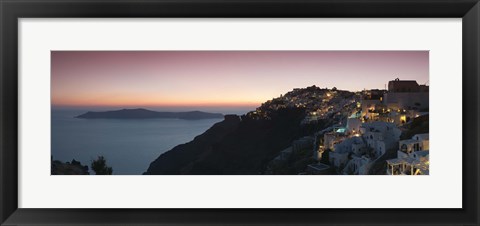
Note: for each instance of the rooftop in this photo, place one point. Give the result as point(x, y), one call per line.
point(409, 141)
point(319, 166)
point(422, 153)
point(421, 136)
point(396, 161)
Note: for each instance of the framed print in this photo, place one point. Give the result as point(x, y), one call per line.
point(261, 112)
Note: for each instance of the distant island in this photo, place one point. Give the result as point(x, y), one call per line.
point(141, 113)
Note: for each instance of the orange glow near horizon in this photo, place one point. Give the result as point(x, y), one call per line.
point(118, 100)
point(146, 104)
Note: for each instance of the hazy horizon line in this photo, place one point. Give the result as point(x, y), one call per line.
point(156, 106)
point(210, 109)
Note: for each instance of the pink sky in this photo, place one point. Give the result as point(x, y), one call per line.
point(219, 78)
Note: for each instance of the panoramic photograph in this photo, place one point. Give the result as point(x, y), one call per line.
point(240, 113)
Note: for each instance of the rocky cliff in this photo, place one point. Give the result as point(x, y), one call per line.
point(237, 145)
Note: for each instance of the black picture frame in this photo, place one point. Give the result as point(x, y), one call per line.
point(12, 10)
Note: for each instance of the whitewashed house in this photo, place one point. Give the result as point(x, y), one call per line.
point(380, 136)
point(418, 142)
point(412, 157)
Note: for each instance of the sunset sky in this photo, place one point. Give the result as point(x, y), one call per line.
point(219, 78)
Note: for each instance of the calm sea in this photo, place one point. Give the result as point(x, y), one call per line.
point(129, 146)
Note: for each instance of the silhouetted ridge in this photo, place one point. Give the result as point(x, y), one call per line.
point(141, 113)
point(234, 146)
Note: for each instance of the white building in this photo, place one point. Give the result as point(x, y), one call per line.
point(358, 166)
point(412, 157)
point(353, 125)
point(419, 142)
point(380, 136)
point(354, 155)
point(403, 94)
point(342, 151)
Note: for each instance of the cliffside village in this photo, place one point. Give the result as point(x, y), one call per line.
point(369, 136)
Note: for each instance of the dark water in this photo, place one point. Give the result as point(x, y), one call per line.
point(128, 145)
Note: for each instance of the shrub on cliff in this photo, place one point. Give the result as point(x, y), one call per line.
point(100, 166)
